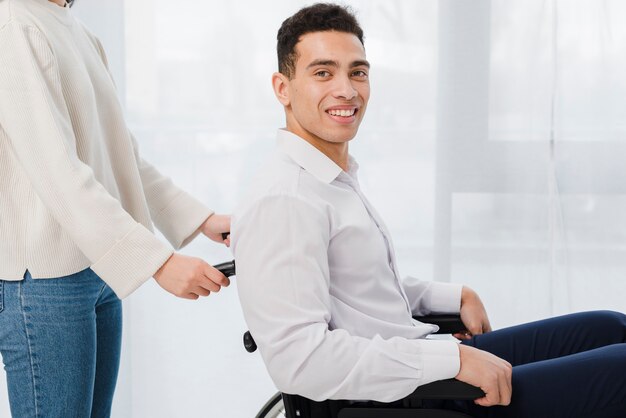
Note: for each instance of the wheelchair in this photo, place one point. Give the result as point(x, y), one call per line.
point(416, 405)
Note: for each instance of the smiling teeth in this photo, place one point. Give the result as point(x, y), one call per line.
point(344, 113)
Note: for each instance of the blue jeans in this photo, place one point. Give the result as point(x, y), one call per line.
point(60, 341)
point(573, 366)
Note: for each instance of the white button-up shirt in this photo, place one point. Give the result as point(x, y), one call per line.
point(318, 284)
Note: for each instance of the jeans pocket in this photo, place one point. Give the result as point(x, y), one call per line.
point(1, 295)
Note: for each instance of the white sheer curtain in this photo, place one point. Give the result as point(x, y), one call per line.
point(531, 134)
point(492, 147)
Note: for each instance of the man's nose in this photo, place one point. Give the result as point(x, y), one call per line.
point(344, 88)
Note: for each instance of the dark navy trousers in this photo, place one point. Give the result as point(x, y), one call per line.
point(572, 366)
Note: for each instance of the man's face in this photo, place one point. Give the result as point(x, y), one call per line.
point(328, 93)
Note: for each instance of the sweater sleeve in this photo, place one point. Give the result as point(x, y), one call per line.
point(34, 115)
point(176, 213)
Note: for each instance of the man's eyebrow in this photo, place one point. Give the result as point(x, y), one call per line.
point(360, 63)
point(323, 62)
point(332, 63)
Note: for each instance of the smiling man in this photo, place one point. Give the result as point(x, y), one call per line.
point(317, 275)
point(325, 103)
point(319, 284)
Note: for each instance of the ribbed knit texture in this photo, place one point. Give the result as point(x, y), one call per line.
point(74, 192)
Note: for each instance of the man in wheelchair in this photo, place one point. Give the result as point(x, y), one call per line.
point(318, 281)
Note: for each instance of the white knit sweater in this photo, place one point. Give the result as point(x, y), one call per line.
point(74, 192)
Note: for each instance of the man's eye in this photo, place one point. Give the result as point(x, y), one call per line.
point(322, 74)
point(359, 73)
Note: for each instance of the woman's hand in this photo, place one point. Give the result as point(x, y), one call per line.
point(215, 226)
point(189, 277)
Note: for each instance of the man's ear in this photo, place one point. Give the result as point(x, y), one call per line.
point(281, 88)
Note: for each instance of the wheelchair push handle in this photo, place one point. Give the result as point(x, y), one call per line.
point(227, 269)
point(447, 323)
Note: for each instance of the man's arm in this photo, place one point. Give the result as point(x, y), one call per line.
point(428, 297)
point(283, 279)
point(473, 314)
point(478, 368)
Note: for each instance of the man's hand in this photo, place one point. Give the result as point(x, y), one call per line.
point(215, 226)
point(473, 315)
point(189, 277)
point(488, 372)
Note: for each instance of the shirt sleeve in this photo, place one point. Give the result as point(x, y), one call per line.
point(34, 115)
point(427, 297)
point(281, 245)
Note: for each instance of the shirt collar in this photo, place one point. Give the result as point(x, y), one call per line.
point(310, 158)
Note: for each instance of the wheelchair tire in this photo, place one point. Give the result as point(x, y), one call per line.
point(273, 408)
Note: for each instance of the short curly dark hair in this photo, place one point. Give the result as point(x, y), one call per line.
point(319, 17)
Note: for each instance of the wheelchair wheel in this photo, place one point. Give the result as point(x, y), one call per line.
point(273, 408)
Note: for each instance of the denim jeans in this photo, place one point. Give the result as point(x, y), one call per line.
point(60, 342)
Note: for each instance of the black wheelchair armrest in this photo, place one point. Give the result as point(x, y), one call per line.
point(448, 323)
point(413, 407)
point(447, 389)
point(409, 407)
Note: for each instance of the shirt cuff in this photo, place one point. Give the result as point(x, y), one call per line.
point(445, 297)
point(180, 219)
point(441, 360)
point(132, 261)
